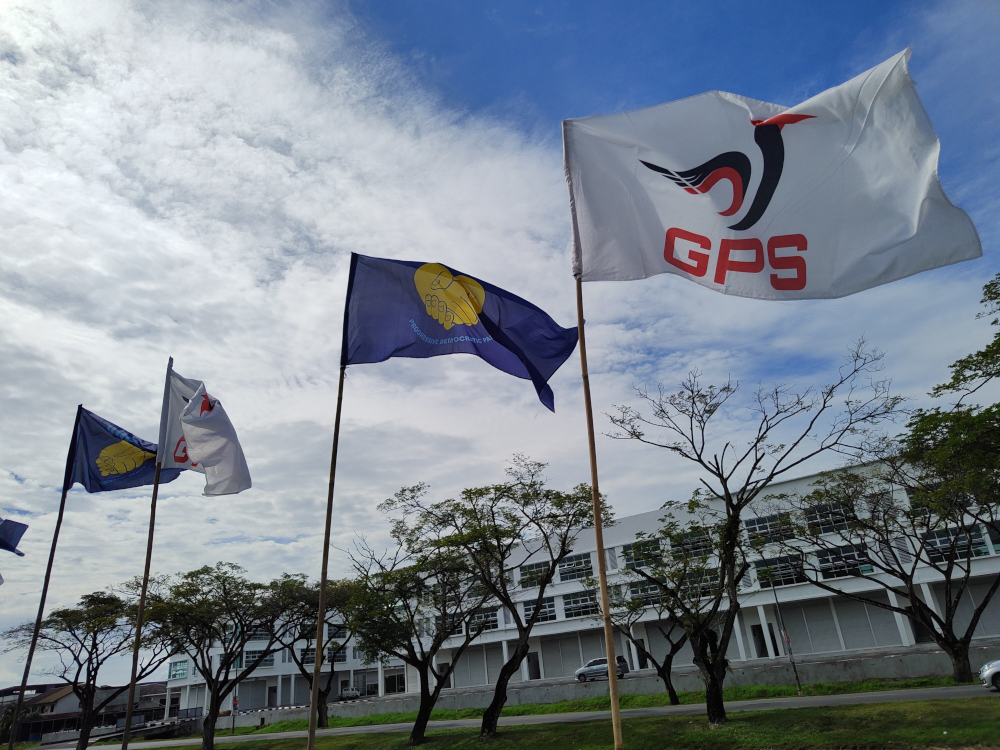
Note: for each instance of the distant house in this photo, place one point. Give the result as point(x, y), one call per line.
point(55, 708)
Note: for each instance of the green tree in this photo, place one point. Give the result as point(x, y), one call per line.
point(496, 529)
point(7, 721)
point(783, 429)
point(212, 614)
point(101, 627)
point(654, 584)
point(408, 602)
point(300, 602)
point(854, 526)
point(947, 461)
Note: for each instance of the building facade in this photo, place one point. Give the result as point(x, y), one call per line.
point(569, 632)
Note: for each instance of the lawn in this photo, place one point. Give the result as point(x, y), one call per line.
point(944, 723)
point(752, 692)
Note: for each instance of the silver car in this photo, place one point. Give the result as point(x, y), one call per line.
point(989, 673)
point(597, 669)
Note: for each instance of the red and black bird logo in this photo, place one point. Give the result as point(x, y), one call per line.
point(735, 167)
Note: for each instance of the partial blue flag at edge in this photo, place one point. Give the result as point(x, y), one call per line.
point(105, 457)
point(10, 534)
point(398, 308)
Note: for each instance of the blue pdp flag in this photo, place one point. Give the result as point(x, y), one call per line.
point(10, 534)
point(399, 308)
point(105, 457)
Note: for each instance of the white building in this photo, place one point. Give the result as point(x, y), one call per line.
point(570, 633)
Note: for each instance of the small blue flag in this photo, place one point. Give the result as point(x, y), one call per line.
point(10, 534)
point(399, 308)
point(106, 457)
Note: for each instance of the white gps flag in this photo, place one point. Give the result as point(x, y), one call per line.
point(826, 198)
point(196, 434)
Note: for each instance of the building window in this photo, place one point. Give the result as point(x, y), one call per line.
point(954, 544)
point(642, 554)
point(307, 656)
point(457, 626)
point(338, 632)
point(575, 566)
point(769, 529)
point(249, 657)
point(692, 544)
point(699, 583)
point(780, 571)
point(485, 619)
point(337, 657)
point(842, 562)
point(582, 604)
point(532, 574)
point(647, 592)
point(547, 612)
point(827, 518)
point(993, 529)
point(177, 670)
point(260, 634)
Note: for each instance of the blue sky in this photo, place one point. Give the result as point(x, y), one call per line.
point(540, 63)
point(533, 64)
point(188, 178)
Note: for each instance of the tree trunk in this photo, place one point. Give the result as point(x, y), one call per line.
point(86, 722)
point(322, 709)
point(961, 667)
point(492, 714)
point(712, 666)
point(714, 703)
point(428, 698)
point(208, 727)
point(664, 672)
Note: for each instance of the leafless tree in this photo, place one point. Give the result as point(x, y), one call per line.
point(785, 429)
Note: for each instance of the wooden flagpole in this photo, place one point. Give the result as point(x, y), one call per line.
point(126, 732)
point(70, 458)
point(140, 615)
point(321, 612)
point(602, 574)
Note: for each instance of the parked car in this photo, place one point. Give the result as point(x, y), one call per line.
point(989, 673)
point(597, 669)
point(349, 693)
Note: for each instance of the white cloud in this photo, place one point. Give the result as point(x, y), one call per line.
point(188, 179)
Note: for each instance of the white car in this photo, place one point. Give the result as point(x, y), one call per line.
point(989, 673)
point(350, 693)
point(597, 669)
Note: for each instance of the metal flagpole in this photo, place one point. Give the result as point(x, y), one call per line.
point(70, 458)
point(788, 639)
point(602, 574)
point(140, 615)
point(321, 612)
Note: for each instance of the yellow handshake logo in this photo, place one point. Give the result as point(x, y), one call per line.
point(121, 458)
point(450, 300)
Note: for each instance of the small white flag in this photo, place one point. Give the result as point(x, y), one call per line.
point(213, 446)
point(196, 434)
point(832, 196)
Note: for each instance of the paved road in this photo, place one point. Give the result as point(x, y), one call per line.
point(766, 704)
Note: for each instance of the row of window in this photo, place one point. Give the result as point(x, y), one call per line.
point(940, 545)
point(580, 604)
point(332, 631)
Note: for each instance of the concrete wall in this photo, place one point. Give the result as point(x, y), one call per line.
point(883, 664)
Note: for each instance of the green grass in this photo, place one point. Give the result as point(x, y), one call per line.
point(926, 724)
point(753, 692)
